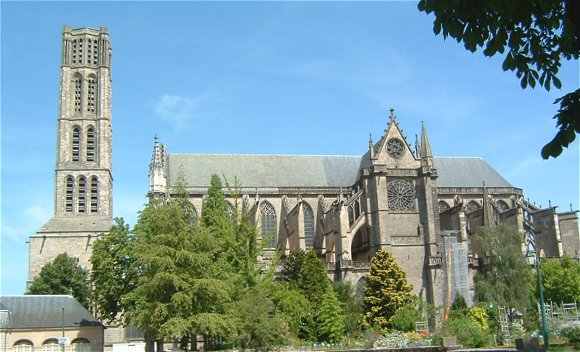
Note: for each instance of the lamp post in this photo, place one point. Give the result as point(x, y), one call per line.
point(539, 282)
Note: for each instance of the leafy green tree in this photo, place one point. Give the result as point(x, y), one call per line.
point(405, 318)
point(114, 271)
point(261, 325)
point(561, 280)
point(386, 291)
point(535, 35)
point(305, 272)
point(330, 318)
point(62, 276)
point(352, 307)
point(504, 276)
point(186, 281)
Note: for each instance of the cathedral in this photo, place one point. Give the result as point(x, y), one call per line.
point(397, 196)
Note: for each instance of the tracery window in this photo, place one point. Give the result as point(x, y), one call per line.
point(230, 209)
point(308, 226)
point(78, 88)
point(443, 206)
point(395, 148)
point(76, 144)
point(502, 205)
point(194, 216)
point(23, 346)
point(94, 194)
point(91, 94)
point(81, 345)
point(82, 193)
point(472, 206)
point(69, 194)
point(401, 195)
point(91, 143)
point(268, 223)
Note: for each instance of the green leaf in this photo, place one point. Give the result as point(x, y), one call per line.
point(557, 82)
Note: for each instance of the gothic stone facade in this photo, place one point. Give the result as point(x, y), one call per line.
point(421, 208)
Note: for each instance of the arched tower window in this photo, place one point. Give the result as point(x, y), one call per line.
point(308, 226)
point(78, 88)
point(82, 194)
point(69, 194)
point(443, 206)
point(268, 222)
point(91, 143)
point(94, 194)
point(92, 93)
point(76, 143)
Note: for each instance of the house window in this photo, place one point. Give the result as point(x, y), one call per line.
point(268, 223)
point(76, 143)
point(94, 194)
point(82, 193)
point(308, 226)
point(50, 345)
point(91, 141)
point(23, 346)
point(81, 345)
point(69, 194)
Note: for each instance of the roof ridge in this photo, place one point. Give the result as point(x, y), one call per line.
point(250, 154)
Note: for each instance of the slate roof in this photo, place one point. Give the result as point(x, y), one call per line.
point(266, 170)
point(271, 171)
point(45, 311)
point(467, 172)
point(74, 224)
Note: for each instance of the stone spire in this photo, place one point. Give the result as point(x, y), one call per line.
point(158, 169)
point(371, 147)
point(487, 207)
point(425, 151)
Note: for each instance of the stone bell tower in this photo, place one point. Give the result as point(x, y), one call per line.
point(83, 177)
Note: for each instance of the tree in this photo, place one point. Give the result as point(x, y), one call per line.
point(386, 291)
point(330, 318)
point(305, 272)
point(114, 271)
point(62, 276)
point(504, 276)
point(352, 308)
point(537, 35)
point(561, 280)
point(186, 282)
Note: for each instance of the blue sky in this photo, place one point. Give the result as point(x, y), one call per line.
point(250, 77)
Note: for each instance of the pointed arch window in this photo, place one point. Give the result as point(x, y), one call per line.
point(472, 206)
point(268, 222)
point(78, 88)
point(94, 194)
point(91, 143)
point(194, 216)
point(502, 205)
point(308, 226)
point(68, 207)
point(443, 206)
point(92, 93)
point(76, 143)
point(82, 195)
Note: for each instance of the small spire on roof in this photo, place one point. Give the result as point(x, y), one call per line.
point(392, 116)
point(371, 147)
point(425, 144)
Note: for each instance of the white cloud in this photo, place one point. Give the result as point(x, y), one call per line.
point(32, 217)
point(177, 110)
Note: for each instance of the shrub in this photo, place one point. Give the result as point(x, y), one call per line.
point(468, 332)
point(405, 318)
point(572, 333)
point(392, 340)
point(479, 315)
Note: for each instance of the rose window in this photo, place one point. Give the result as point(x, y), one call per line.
point(401, 194)
point(395, 147)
